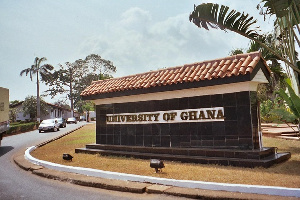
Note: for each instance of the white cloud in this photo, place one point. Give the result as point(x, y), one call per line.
point(135, 19)
point(137, 44)
point(137, 36)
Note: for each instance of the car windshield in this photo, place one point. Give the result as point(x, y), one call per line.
point(59, 119)
point(47, 121)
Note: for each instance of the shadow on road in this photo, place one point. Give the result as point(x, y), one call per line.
point(5, 149)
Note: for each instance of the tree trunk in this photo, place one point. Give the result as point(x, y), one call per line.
point(71, 93)
point(38, 102)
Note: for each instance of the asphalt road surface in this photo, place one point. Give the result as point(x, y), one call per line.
point(15, 183)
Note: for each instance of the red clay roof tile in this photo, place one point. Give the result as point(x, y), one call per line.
point(213, 69)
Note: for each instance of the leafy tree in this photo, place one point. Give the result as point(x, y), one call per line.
point(64, 80)
point(236, 51)
point(14, 102)
point(278, 74)
point(73, 78)
point(267, 91)
point(43, 71)
point(85, 82)
point(275, 111)
point(95, 62)
point(287, 15)
point(62, 104)
point(29, 107)
point(13, 114)
point(86, 106)
point(13, 111)
point(270, 110)
point(217, 16)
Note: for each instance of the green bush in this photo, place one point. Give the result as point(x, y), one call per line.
point(12, 129)
point(275, 111)
point(21, 127)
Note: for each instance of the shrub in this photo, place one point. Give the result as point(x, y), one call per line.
point(275, 111)
point(21, 127)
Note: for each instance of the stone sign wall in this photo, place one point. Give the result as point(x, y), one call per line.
point(215, 121)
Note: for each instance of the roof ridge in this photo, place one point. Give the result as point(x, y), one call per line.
point(228, 66)
point(179, 66)
point(228, 57)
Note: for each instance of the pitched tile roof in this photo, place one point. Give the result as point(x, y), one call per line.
point(236, 65)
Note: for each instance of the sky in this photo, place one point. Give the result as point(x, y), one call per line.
point(136, 35)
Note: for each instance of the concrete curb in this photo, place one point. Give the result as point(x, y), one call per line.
point(125, 185)
point(78, 179)
point(136, 187)
point(252, 189)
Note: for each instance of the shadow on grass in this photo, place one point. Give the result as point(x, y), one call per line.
point(291, 167)
point(5, 149)
point(294, 150)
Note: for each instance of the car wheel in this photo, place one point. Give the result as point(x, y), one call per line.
point(54, 129)
point(40, 131)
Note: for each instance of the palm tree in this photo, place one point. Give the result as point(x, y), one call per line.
point(287, 18)
point(278, 75)
point(37, 69)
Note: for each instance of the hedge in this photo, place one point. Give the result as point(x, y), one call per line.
point(16, 128)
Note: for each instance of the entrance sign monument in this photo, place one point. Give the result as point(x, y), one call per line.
point(205, 112)
point(175, 116)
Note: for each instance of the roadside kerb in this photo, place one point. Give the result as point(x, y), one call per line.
point(256, 189)
point(136, 187)
point(36, 164)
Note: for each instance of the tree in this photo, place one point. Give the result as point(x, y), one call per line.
point(64, 79)
point(30, 109)
point(73, 78)
point(95, 62)
point(43, 71)
point(267, 91)
point(85, 82)
point(14, 102)
point(269, 102)
point(62, 104)
point(87, 106)
point(13, 111)
point(278, 76)
point(236, 51)
point(13, 114)
point(287, 17)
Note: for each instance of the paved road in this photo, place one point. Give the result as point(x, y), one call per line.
point(16, 183)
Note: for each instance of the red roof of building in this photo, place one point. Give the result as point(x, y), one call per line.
point(236, 65)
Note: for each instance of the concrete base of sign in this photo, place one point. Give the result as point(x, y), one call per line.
point(264, 157)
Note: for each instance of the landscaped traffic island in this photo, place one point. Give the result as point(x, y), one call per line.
point(205, 112)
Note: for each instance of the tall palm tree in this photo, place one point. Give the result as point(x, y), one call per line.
point(287, 15)
point(275, 66)
point(37, 69)
point(278, 76)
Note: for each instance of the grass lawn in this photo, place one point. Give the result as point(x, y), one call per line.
point(286, 174)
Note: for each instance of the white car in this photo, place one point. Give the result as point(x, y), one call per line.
point(49, 125)
point(71, 120)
